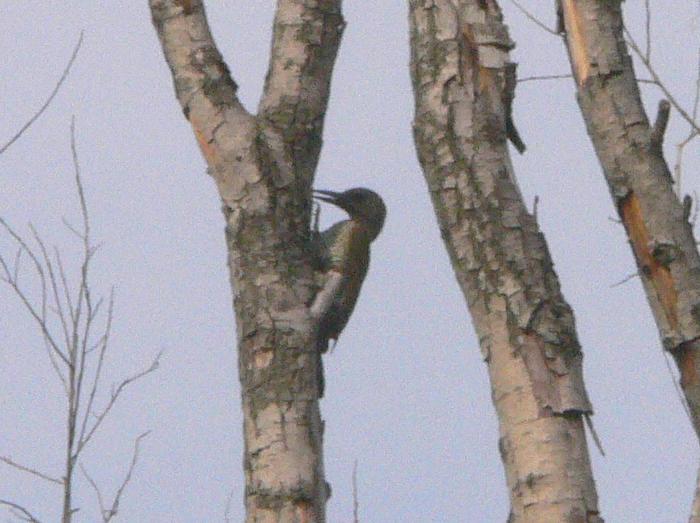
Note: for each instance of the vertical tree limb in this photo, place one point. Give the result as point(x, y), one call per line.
point(461, 71)
point(263, 166)
point(629, 150)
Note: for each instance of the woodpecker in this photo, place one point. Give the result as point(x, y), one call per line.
point(344, 250)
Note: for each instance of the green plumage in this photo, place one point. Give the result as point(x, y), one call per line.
point(344, 248)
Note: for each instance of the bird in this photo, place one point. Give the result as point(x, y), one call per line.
point(345, 249)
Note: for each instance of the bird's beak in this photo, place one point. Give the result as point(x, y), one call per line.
point(327, 196)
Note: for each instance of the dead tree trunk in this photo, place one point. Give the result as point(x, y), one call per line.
point(630, 152)
point(463, 83)
point(263, 166)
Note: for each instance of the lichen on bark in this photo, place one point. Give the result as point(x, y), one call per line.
point(263, 165)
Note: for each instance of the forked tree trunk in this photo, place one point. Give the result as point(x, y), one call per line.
point(630, 152)
point(263, 166)
point(463, 81)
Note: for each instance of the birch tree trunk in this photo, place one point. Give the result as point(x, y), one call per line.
point(263, 166)
point(695, 508)
point(463, 83)
point(631, 154)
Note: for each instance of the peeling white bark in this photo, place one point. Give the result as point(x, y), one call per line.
point(263, 166)
point(463, 80)
point(630, 152)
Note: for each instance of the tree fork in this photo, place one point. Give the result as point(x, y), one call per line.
point(263, 166)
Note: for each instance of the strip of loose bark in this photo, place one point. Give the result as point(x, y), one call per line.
point(263, 166)
point(630, 151)
point(463, 80)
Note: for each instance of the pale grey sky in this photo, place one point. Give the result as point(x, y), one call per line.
point(407, 393)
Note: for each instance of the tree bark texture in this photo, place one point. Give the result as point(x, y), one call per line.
point(630, 152)
point(463, 83)
point(263, 165)
point(695, 509)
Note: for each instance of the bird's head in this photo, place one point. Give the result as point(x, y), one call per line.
point(361, 204)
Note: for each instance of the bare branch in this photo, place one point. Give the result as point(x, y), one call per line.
point(692, 134)
point(647, 32)
point(657, 80)
point(30, 470)
point(108, 513)
point(533, 18)
point(79, 186)
point(120, 491)
point(53, 282)
point(18, 259)
point(625, 280)
point(39, 316)
point(98, 492)
point(20, 511)
point(49, 99)
point(113, 399)
point(70, 227)
point(544, 77)
point(103, 344)
point(64, 285)
point(677, 387)
point(565, 76)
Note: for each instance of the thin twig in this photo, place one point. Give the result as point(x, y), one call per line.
point(40, 318)
point(544, 77)
point(109, 513)
point(120, 491)
point(79, 184)
point(647, 10)
point(533, 18)
point(22, 512)
point(98, 492)
point(625, 280)
point(566, 76)
point(677, 387)
point(30, 470)
point(692, 134)
point(113, 399)
point(49, 99)
point(104, 342)
point(657, 80)
point(53, 281)
point(18, 259)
